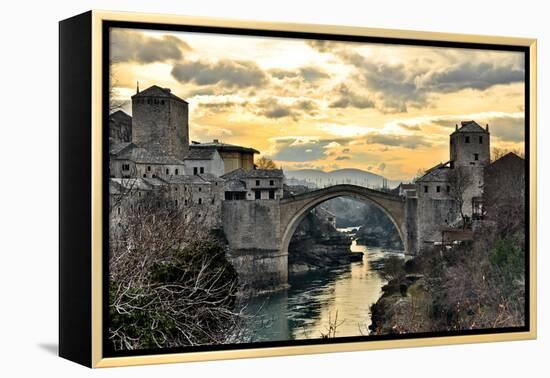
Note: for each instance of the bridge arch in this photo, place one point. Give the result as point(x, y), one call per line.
point(295, 208)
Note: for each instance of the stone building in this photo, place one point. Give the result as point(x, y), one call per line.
point(160, 122)
point(441, 189)
point(128, 160)
point(256, 184)
point(234, 157)
point(204, 161)
point(120, 127)
point(504, 187)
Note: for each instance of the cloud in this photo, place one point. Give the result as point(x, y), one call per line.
point(307, 73)
point(381, 167)
point(507, 127)
point(343, 158)
point(132, 46)
point(272, 108)
point(229, 73)
point(407, 141)
point(409, 127)
point(302, 149)
point(394, 88)
point(349, 99)
point(478, 76)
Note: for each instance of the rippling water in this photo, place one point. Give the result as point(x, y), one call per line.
point(315, 298)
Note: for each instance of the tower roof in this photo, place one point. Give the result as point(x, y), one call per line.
point(470, 127)
point(156, 91)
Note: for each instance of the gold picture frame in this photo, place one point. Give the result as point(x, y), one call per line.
point(82, 275)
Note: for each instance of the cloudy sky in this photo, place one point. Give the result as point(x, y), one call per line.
point(311, 104)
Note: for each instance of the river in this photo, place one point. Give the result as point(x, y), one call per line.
point(341, 296)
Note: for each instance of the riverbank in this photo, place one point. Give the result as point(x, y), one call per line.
point(317, 244)
point(472, 286)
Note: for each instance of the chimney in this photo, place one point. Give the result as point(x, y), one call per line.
point(487, 127)
point(456, 126)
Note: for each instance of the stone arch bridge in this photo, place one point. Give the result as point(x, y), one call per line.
point(259, 232)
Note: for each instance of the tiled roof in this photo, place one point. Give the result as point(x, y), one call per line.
point(210, 177)
point(235, 174)
point(183, 179)
point(439, 174)
point(264, 173)
point(119, 115)
point(156, 91)
point(470, 127)
point(117, 148)
point(223, 147)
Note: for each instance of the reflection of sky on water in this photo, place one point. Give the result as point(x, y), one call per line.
point(303, 311)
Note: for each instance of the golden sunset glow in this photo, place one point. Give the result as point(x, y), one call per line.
point(388, 109)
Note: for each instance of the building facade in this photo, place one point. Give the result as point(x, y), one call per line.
point(453, 189)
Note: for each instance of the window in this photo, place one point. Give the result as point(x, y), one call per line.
point(176, 203)
point(148, 168)
point(216, 183)
point(175, 188)
point(438, 189)
point(228, 196)
point(162, 102)
point(480, 140)
point(257, 194)
point(200, 201)
point(476, 157)
point(257, 182)
point(195, 171)
point(176, 171)
point(271, 194)
point(425, 188)
point(139, 194)
point(448, 189)
point(167, 171)
point(144, 175)
point(118, 210)
point(467, 139)
point(125, 167)
point(202, 170)
point(200, 189)
point(212, 201)
point(271, 183)
point(185, 202)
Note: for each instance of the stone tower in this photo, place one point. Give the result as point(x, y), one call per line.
point(160, 122)
point(470, 145)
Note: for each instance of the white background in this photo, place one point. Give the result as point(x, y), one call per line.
point(29, 186)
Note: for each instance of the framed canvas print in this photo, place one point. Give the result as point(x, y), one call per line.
point(234, 189)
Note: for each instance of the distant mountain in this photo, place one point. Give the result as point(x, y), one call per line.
point(318, 178)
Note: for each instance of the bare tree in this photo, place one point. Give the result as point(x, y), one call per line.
point(460, 181)
point(265, 163)
point(497, 152)
point(170, 283)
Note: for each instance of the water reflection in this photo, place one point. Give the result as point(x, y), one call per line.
point(304, 310)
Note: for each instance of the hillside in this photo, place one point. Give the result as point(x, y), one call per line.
point(318, 178)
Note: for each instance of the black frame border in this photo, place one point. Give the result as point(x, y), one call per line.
point(108, 24)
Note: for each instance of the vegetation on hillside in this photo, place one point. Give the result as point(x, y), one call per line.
point(170, 284)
